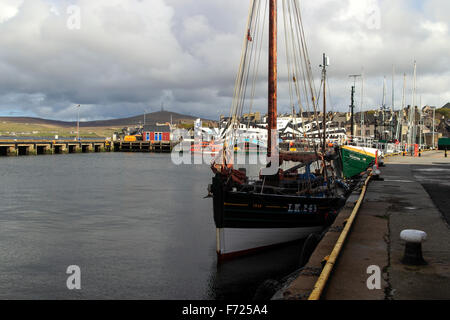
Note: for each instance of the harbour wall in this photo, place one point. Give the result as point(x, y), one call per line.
point(19, 147)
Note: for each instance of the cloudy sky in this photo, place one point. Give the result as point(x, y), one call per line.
point(124, 56)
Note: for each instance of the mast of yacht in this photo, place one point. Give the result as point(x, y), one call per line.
point(324, 65)
point(294, 122)
point(414, 105)
point(391, 121)
point(420, 121)
point(383, 108)
point(400, 115)
point(393, 88)
point(362, 102)
point(272, 101)
point(412, 112)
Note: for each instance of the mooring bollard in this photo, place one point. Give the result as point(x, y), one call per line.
point(376, 173)
point(413, 247)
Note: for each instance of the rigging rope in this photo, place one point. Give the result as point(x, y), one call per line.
point(302, 91)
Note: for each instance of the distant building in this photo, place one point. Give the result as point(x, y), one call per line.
point(252, 117)
point(155, 133)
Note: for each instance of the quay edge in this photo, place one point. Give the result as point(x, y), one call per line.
point(399, 201)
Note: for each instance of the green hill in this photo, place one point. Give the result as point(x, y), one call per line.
point(444, 111)
point(36, 127)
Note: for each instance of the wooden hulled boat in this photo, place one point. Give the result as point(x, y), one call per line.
point(255, 215)
point(287, 205)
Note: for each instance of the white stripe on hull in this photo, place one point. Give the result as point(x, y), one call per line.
point(234, 240)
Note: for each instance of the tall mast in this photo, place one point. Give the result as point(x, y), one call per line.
point(352, 107)
point(362, 103)
point(403, 107)
point(391, 121)
point(412, 111)
point(393, 89)
point(403, 93)
point(383, 107)
point(420, 121)
point(324, 124)
point(414, 105)
point(324, 66)
point(272, 107)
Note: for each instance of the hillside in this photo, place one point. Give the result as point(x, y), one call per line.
point(150, 118)
point(36, 127)
point(444, 111)
point(447, 106)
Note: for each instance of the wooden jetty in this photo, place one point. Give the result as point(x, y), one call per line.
point(143, 146)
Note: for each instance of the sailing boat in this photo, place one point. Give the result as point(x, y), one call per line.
point(357, 158)
point(286, 205)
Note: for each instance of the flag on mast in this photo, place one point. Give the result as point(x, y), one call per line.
point(249, 36)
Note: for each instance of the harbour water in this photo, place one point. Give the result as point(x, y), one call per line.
point(137, 225)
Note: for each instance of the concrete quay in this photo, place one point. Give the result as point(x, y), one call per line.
point(413, 195)
point(19, 147)
point(25, 147)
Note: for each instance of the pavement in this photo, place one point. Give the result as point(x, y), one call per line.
point(413, 195)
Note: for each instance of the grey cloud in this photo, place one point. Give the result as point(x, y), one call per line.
point(131, 55)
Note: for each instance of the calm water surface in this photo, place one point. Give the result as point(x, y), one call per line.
point(137, 225)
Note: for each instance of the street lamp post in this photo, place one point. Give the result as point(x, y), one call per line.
point(434, 115)
point(352, 106)
point(78, 122)
point(145, 113)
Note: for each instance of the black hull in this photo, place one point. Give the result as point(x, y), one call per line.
point(255, 210)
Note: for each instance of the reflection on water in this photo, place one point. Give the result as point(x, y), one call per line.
point(240, 278)
point(137, 225)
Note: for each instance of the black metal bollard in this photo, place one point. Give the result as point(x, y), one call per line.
point(413, 254)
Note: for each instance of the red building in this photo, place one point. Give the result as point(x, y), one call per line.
point(155, 133)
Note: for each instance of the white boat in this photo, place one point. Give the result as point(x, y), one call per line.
point(235, 242)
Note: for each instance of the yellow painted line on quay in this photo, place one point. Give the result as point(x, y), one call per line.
point(325, 275)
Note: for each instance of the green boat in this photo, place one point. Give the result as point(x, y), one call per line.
point(444, 143)
point(356, 160)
